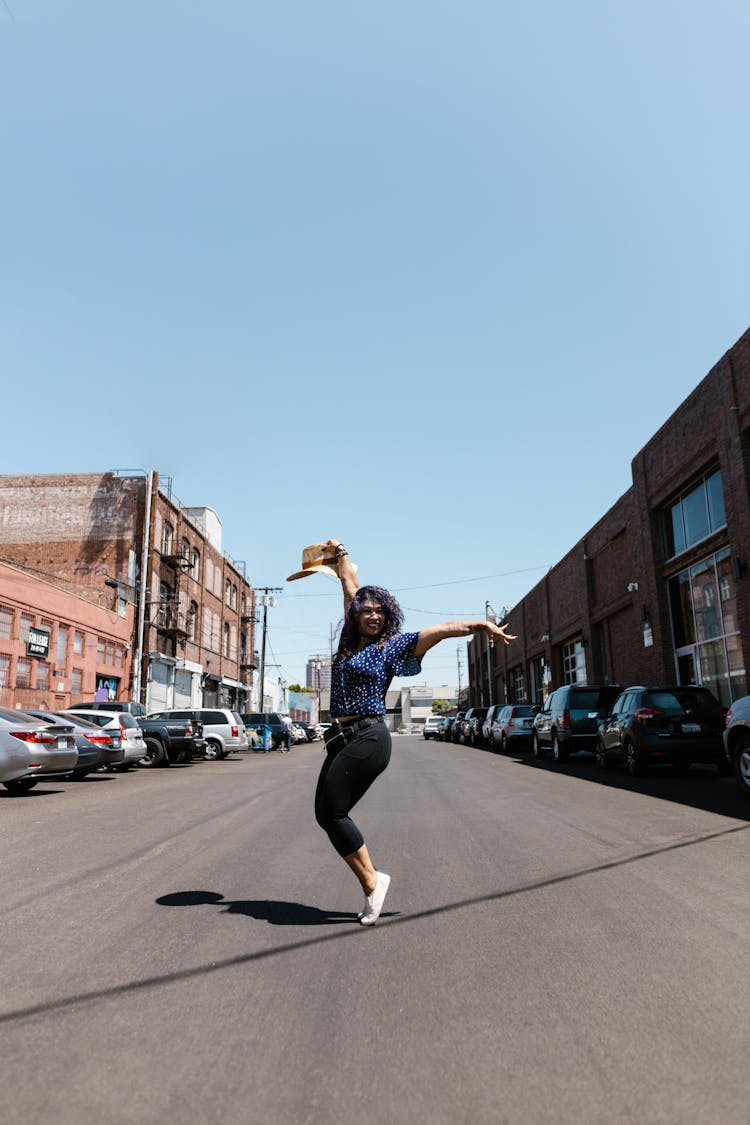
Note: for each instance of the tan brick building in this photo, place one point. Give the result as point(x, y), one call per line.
point(123, 542)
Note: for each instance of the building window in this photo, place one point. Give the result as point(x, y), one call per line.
point(228, 592)
point(234, 596)
point(703, 604)
point(76, 681)
point(100, 644)
point(695, 515)
point(119, 656)
point(519, 688)
point(225, 649)
point(185, 551)
point(27, 623)
point(62, 646)
point(574, 662)
point(164, 595)
point(195, 564)
point(77, 642)
point(22, 673)
point(167, 538)
point(109, 655)
point(6, 621)
point(42, 675)
point(4, 669)
point(192, 620)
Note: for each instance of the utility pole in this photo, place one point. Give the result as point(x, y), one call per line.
point(268, 598)
point(489, 615)
point(458, 662)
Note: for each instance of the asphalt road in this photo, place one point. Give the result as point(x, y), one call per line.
point(557, 946)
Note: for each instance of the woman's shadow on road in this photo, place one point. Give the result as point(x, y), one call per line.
point(265, 910)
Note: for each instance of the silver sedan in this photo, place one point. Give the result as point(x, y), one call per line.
point(47, 750)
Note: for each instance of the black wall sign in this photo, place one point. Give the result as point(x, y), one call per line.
point(38, 643)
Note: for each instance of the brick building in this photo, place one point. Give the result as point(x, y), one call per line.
point(657, 591)
point(125, 539)
point(57, 647)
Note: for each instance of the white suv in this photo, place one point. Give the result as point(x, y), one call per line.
point(432, 726)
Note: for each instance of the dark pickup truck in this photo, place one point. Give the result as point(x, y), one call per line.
point(167, 740)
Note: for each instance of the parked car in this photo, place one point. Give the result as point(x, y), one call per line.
point(129, 705)
point(280, 728)
point(472, 725)
point(433, 725)
point(96, 747)
point(298, 733)
point(457, 727)
point(50, 750)
point(132, 742)
point(737, 742)
point(569, 719)
point(312, 731)
point(663, 725)
point(223, 729)
point(512, 725)
point(175, 740)
point(489, 718)
point(447, 727)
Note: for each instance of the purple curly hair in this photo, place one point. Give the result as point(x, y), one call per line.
point(394, 618)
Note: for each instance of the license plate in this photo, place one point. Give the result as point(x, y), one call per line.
point(593, 714)
point(64, 743)
point(691, 728)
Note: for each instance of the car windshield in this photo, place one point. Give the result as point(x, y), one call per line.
point(522, 712)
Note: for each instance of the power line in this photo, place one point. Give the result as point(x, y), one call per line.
point(434, 585)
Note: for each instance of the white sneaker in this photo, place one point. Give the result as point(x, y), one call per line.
point(375, 901)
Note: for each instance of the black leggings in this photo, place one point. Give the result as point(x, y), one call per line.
point(344, 779)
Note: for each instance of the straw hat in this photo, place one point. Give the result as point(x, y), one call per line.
point(317, 559)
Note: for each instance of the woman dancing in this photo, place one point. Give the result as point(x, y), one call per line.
point(372, 650)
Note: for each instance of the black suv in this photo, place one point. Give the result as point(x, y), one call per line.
point(663, 725)
point(569, 719)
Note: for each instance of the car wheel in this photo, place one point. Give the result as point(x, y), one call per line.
point(503, 743)
point(741, 759)
point(536, 746)
point(559, 752)
point(155, 754)
point(633, 761)
point(601, 756)
point(213, 750)
point(184, 757)
point(20, 786)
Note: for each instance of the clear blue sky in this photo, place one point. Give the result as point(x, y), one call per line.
point(394, 273)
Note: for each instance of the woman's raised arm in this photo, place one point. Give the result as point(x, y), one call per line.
point(347, 573)
point(433, 634)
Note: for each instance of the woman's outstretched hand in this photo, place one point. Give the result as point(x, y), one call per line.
point(493, 630)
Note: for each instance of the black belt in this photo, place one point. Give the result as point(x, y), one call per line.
point(361, 724)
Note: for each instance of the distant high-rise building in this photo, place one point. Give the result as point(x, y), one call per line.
point(319, 673)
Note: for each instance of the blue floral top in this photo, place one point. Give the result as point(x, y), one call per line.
point(359, 682)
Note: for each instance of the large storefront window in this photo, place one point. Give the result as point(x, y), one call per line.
point(704, 625)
